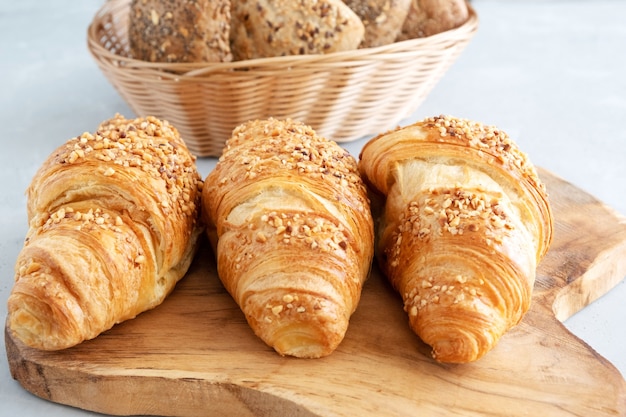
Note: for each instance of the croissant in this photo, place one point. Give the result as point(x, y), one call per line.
point(113, 225)
point(462, 222)
point(289, 220)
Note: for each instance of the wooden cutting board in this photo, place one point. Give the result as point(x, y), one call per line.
point(195, 356)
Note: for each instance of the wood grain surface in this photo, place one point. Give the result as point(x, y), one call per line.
point(195, 355)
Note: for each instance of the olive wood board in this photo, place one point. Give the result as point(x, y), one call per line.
point(194, 355)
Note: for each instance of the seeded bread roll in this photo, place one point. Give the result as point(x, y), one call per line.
point(383, 19)
point(180, 30)
point(268, 28)
point(288, 216)
point(113, 225)
point(429, 17)
point(463, 222)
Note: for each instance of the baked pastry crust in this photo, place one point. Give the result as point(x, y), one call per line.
point(113, 225)
point(290, 223)
point(462, 222)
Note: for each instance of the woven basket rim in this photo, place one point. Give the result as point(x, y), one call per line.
point(343, 95)
point(200, 69)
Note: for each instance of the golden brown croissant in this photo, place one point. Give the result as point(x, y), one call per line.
point(465, 222)
point(289, 219)
point(113, 225)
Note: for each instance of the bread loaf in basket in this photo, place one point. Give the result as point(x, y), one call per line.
point(342, 95)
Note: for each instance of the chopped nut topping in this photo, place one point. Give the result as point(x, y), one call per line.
point(150, 145)
point(260, 237)
point(270, 153)
point(302, 228)
point(488, 139)
point(149, 153)
point(448, 210)
point(292, 147)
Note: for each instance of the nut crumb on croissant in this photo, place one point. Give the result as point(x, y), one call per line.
point(289, 219)
point(486, 138)
point(113, 225)
point(464, 220)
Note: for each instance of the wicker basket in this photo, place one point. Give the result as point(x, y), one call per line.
point(343, 95)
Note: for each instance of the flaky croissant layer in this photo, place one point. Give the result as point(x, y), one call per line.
point(113, 225)
point(290, 222)
point(463, 222)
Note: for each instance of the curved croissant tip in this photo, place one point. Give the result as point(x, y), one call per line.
point(36, 328)
point(458, 347)
point(305, 341)
point(26, 327)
